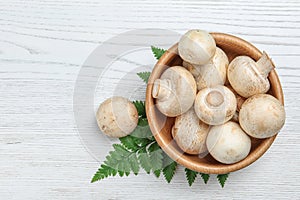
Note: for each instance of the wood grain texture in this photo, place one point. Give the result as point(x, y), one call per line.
point(42, 47)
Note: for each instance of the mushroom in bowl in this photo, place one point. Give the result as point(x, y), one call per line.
point(161, 126)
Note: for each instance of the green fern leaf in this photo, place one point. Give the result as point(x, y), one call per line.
point(135, 167)
point(144, 76)
point(205, 177)
point(169, 169)
point(113, 157)
point(190, 176)
point(127, 166)
point(140, 107)
point(142, 142)
point(143, 122)
point(142, 131)
point(103, 172)
point(156, 156)
point(158, 52)
point(222, 179)
point(157, 173)
point(144, 160)
point(121, 173)
point(121, 150)
point(129, 143)
point(120, 168)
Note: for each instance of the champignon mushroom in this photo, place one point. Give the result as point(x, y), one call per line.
point(239, 99)
point(228, 143)
point(235, 117)
point(248, 77)
point(215, 105)
point(197, 47)
point(190, 133)
point(211, 74)
point(175, 91)
point(193, 69)
point(117, 117)
point(262, 116)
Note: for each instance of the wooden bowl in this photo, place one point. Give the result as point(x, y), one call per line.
point(161, 125)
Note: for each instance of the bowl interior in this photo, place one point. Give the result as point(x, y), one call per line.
point(161, 126)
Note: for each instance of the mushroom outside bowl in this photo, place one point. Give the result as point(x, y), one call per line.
point(161, 125)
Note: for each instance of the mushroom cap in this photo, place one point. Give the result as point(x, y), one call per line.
point(245, 78)
point(211, 74)
point(262, 116)
point(228, 143)
point(175, 91)
point(215, 105)
point(117, 117)
point(239, 99)
point(197, 47)
point(193, 69)
point(190, 133)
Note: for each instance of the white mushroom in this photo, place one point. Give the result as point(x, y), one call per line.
point(235, 117)
point(190, 133)
point(215, 105)
point(175, 91)
point(117, 117)
point(239, 99)
point(211, 74)
point(262, 116)
point(193, 69)
point(248, 77)
point(197, 47)
point(228, 143)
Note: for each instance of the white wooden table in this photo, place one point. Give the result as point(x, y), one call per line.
point(43, 45)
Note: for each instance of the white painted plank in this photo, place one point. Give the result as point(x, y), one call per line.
point(43, 45)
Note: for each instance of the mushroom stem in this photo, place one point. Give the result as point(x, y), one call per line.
point(264, 65)
point(214, 98)
point(161, 88)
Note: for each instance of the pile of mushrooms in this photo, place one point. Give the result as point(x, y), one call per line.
point(214, 115)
